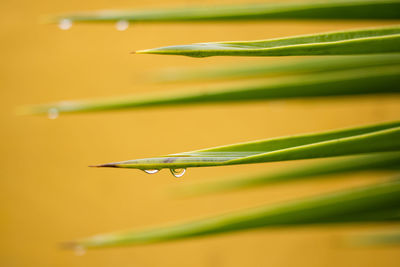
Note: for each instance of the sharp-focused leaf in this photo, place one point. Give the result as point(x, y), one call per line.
point(350, 9)
point(389, 161)
point(368, 204)
point(374, 80)
point(311, 65)
point(368, 139)
point(349, 42)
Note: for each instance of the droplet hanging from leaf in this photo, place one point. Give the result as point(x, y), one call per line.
point(178, 172)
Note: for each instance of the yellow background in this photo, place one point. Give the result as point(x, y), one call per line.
point(49, 195)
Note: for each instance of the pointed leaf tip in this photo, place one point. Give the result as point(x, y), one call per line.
point(112, 165)
point(145, 51)
point(69, 245)
point(48, 19)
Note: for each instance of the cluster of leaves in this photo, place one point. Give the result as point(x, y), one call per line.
point(360, 62)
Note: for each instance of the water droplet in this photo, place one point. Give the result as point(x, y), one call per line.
point(52, 113)
point(80, 251)
point(122, 25)
point(178, 172)
point(65, 24)
point(151, 171)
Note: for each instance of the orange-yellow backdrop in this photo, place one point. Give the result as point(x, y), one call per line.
point(49, 195)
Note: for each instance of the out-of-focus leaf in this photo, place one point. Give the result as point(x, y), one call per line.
point(374, 80)
point(389, 161)
point(310, 65)
point(349, 42)
point(383, 238)
point(350, 9)
point(376, 203)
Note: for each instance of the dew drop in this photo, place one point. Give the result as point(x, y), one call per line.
point(65, 24)
point(151, 171)
point(80, 251)
point(122, 25)
point(52, 113)
point(178, 172)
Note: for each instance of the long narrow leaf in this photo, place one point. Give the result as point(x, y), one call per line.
point(311, 65)
point(368, 204)
point(353, 42)
point(375, 80)
point(389, 161)
point(350, 9)
point(367, 139)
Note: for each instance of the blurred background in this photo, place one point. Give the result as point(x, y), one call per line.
point(49, 195)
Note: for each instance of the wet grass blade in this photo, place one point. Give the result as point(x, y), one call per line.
point(375, 80)
point(389, 161)
point(368, 139)
point(311, 65)
point(349, 42)
point(351, 9)
point(376, 203)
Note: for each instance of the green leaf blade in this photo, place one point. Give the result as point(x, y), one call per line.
point(374, 80)
point(380, 141)
point(380, 138)
point(353, 42)
point(351, 9)
point(369, 204)
point(389, 161)
point(310, 65)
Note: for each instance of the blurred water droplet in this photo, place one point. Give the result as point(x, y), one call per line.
point(178, 172)
point(65, 24)
point(80, 251)
point(151, 171)
point(122, 25)
point(53, 113)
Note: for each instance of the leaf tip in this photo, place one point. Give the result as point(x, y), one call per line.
point(111, 165)
point(47, 19)
point(145, 51)
point(158, 51)
point(69, 245)
point(77, 247)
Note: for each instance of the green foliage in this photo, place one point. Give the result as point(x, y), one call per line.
point(361, 81)
point(386, 162)
point(353, 42)
point(350, 9)
point(376, 203)
point(321, 77)
point(293, 67)
point(380, 138)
